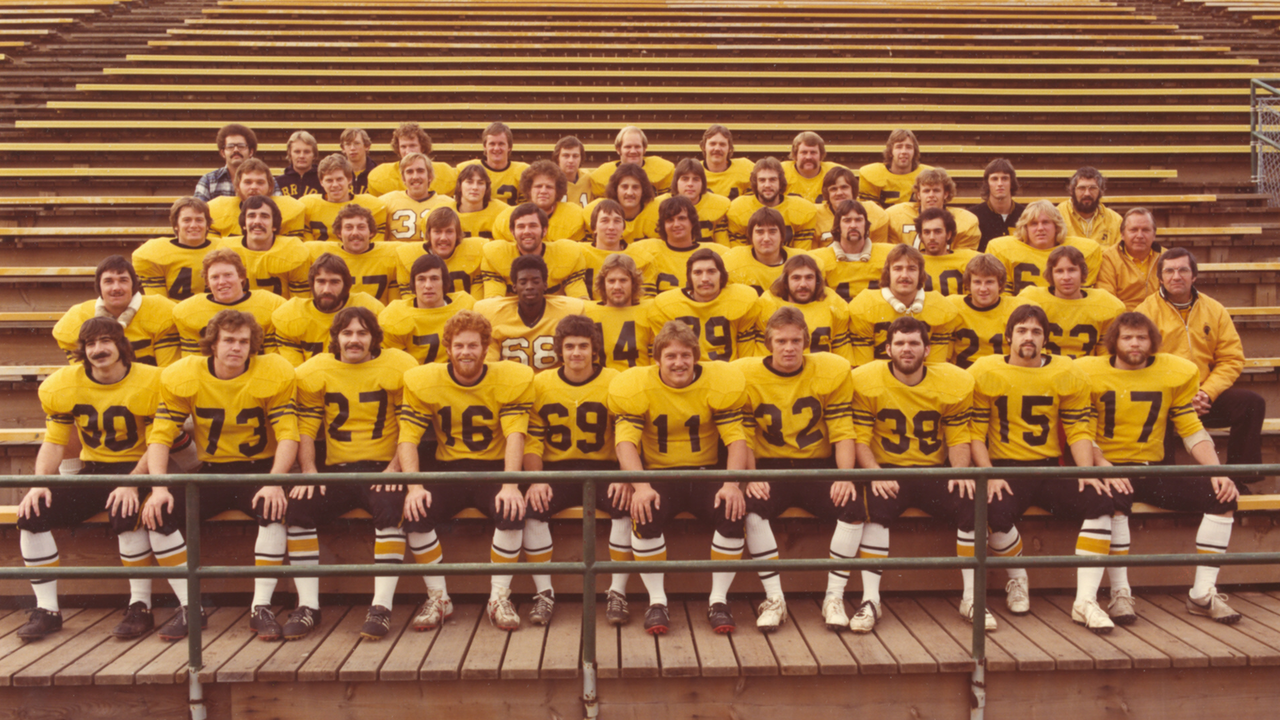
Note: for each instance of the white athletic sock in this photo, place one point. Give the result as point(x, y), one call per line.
point(538, 548)
point(40, 550)
point(304, 549)
point(1212, 538)
point(964, 548)
point(763, 546)
point(723, 548)
point(135, 551)
point(171, 551)
point(505, 549)
point(268, 551)
point(1007, 545)
point(844, 546)
point(426, 550)
point(620, 551)
point(1094, 539)
point(388, 549)
point(646, 549)
point(874, 544)
point(1119, 575)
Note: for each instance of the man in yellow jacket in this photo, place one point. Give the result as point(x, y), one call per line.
point(1198, 328)
point(1084, 212)
point(1128, 268)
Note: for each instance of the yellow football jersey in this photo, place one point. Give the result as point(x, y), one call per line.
point(1076, 327)
point(911, 426)
point(734, 181)
point(870, 316)
point(567, 222)
point(358, 404)
point(386, 179)
point(902, 226)
point(1024, 265)
point(152, 333)
point(657, 169)
point(679, 427)
point(571, 421)
point(799, 415)
point(944, 274)
point(594, 258)
point(578, 191)
point(1017, 410)
point(514, 339)
point(664, 267)
point(798, 214)
point(470, 422)
point(1132, 408)
point(192, 315)
point(373, 272)
point(480, 223)
point(418, 331)
point(463, 264)
point(235, 420)
point(981, 331)
point(168, 268)
point(643, 225)
point(625, 331)
point(566, 268)
point(808, 188)
point(877, 220)
point(407, 218)
point(302, 331)
point(827, 319)
point(745, 269)
point(225, 211)
point(713, 216)
point(113, 421)
point(321, 213)
point(725, 326)
point(282, 269)
point(877, 184)
point(505, 183)
point(850, 277)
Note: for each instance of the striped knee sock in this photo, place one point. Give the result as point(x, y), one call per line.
point(505, 549)
point(426, 550)
point(651, 549)
point(724, 548)
point(135, 551)
point(171, 551)
point(1007, 544)
point(1212, 538)
point(620, 551)
point(763, 546)
point(844, 546)
point(268, 551)
point(304, 549)
point(1094, 539)
point(388, 549)
point(874, 544)
point(538, 547)
point(40, 550)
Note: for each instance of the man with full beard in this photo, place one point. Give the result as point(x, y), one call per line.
point(302, 324)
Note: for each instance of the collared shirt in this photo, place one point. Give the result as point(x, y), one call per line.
point(215, 184)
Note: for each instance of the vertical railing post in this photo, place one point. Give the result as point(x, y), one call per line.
point(978, 685)
point(589, 699)
point(195, 639)
point(1254, 148)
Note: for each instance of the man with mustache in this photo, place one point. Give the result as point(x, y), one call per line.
point(632, 145)
point(253, 178)
point(852, 262)
point(322, 209)
point(1019, 401)
point(727, 176)
point(408, 209)
point(524, 326)
point(349, 396)
point(303, 324)
point(808, 166)
point(410, 139)
point(444, 238)
point(224, 275)
point(415, 324)
point(274, 261)
point(373, 263)
point(901, 293)
point(240, 403)
point(769, 189)
point(236, 143)
point(566, 267)
point(722, 315)
point(909, 414)
point(1084, 212)
point(109, 401)
point(1078, 318)
point(148, 320)
point(504, 173)
point(170, 266)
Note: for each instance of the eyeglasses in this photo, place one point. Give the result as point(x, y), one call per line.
point(236, 146)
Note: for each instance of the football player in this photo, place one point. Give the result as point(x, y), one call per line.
point(722, 315)
point(544, 184)
point(303, 323)
point(1078, 318)
point(322, 209)
point(444, 239)
point(838, 185)
point(565, 264)
point(852, 262)
point(890, 182)
point(372, 262)
point(621, 313)
point(757, 265)
point(224, 275)
point(415, 323)
point(477, 208)
point(273, 261)
point(807, 167)
point(933, 188)
point(713, 210)
point(944, 264)
point(984, 312)
point(1040, 230)
point(825, 313)
point(148, 320)
point(524, 326)
point(727, 176)
point(169, 266)
point(407, 210)
point(410, 139)
point(253, 178)
point(632, 144)
point(568, 155)
point(504, 173)
point(663, 260)
point(901, 293)
point(769, 189)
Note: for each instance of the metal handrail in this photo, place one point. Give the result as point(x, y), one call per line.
point(589, 568)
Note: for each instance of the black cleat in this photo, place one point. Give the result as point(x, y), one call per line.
point(377, 623)
point(657, 621)
point(300, 622)
point(721, 619)
point(176, 627)
point(137, 621)
point(264, 623)
point(40, 623)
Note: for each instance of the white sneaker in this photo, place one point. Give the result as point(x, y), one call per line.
point(864, 621)
point(502, 614)
point(966, 609)
point(434, 611)
point(1214, 605)
point(1091, 615)
point(773, 613)
point(833, 613)
point(1121, 607)
point(1018, 598)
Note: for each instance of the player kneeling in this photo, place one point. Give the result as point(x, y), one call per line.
point(800, 416)
point(571, 430)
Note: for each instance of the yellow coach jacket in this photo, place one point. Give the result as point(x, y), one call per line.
point(1105, 229)
point(1207, 338)
point(1126, 278)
